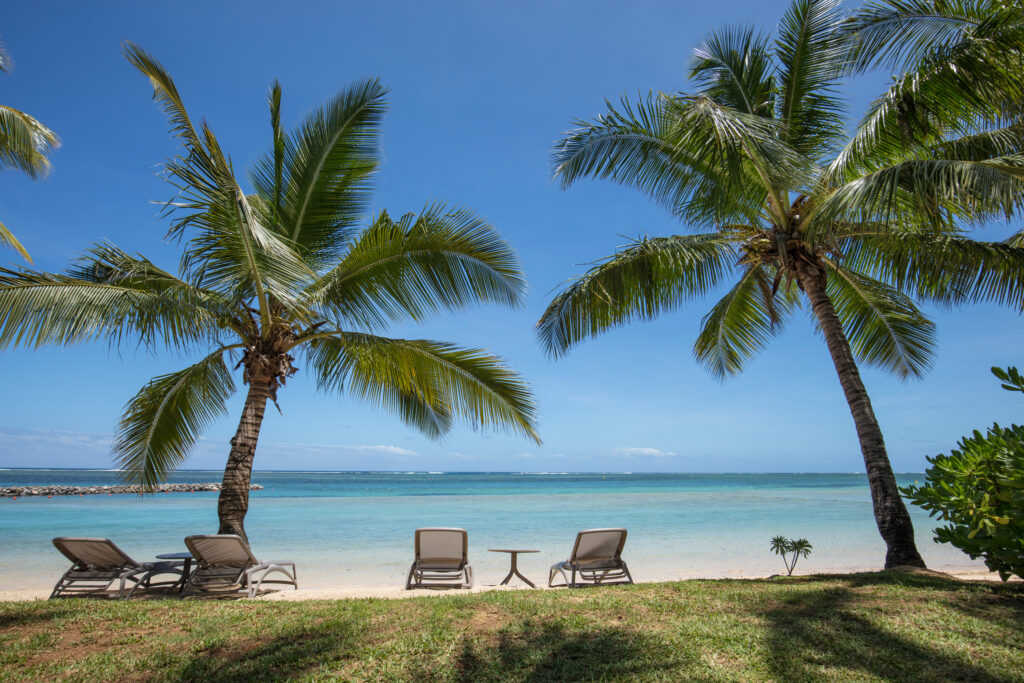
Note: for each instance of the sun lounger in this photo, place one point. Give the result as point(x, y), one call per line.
point(224, 562)
point(596, 557)
point(97, 563)
point(441, 559)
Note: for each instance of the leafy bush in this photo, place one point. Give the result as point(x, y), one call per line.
point(979, 490)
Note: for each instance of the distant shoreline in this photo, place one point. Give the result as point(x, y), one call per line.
point(67, 490)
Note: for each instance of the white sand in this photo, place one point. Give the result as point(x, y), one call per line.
point(397, 592)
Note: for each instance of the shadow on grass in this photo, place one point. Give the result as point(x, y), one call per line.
point(813, 635)
point(293, 654)
point(26, 618)
point(552, 653)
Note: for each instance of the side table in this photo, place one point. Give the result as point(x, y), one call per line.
point(185, 571)
point(514, 571)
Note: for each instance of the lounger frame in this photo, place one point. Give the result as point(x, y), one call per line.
point(440, 572)
point(97, 563)
point(607, 569)
point(234, 568)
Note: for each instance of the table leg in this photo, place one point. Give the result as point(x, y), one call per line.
point(514, 571)
point(185, 571)
point(526, 580)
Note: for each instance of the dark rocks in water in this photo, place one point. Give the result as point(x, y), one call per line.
point(62, 490)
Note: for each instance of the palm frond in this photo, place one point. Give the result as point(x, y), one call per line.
point(163, 420)
point(427, 383)
point(272, 169)
point(166, 93)
point(984, 145)
point(925, 113)
point(961, 75)
point(901, 34)
point(7, 237)
point(742, 323)
point(407, 269)
point(938, 189)
point(234, 252)
point(946, 269)
point(327, 163)
point(884, 327)
point(25, 142)
point(110, 295)
point(733, 67)
point(646, 278)
point(812, 57)
point(707, 163)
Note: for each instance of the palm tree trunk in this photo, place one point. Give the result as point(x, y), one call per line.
point(234, 491)
point(891, 515)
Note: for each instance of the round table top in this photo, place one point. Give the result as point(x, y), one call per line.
point(175, 556)
point(510, 550)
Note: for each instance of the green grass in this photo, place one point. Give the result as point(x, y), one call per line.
point(886, 626)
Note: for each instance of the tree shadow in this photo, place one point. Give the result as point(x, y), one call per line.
point(292, 654)
point(552, 653)
point(23, 618)
point(819, 634)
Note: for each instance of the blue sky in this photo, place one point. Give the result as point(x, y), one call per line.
point(479, 92)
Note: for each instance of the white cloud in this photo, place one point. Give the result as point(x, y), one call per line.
point(61, 448)
point(382, 448)
point(362, 448)
point(630, 451)
point(58, 438)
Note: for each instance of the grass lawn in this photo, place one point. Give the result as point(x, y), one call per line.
point(885, 626)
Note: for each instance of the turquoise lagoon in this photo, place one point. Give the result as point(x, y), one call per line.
point(356, 528)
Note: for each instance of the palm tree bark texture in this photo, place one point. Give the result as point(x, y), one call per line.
point(233, 503)
point(891, 514)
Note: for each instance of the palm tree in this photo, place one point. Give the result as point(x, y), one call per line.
point(276, 273)
point(758, 164)
point(24, 144)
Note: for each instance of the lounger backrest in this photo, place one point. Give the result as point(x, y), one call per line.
point(93, 552)
point(441, 545)
point(220, 550)
point(598, 545)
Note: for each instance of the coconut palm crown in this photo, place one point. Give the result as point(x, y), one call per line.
point(279, 272)
point(24, 144)
point(782, 202)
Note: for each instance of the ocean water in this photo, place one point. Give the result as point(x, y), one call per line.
point(356, 528)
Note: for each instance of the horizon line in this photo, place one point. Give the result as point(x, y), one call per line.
point(435, 472)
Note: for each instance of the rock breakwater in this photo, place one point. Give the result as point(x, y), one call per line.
point(50, 491)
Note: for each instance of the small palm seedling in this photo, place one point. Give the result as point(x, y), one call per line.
point(795, 549)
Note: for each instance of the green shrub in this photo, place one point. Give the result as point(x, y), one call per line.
point(979, 490)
